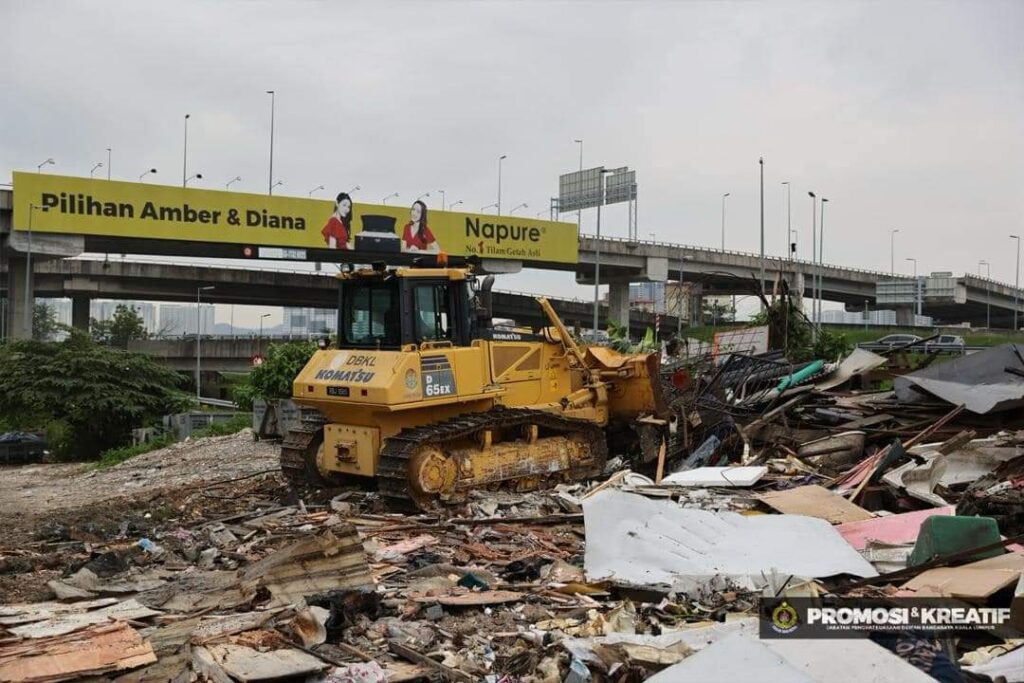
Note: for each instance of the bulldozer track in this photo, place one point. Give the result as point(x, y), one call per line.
point(392, 470)
point(295, 450)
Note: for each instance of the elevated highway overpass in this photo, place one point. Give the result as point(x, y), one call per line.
point(707, 271)
point(82, 280)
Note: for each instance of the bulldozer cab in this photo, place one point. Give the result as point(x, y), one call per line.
point(389, 309)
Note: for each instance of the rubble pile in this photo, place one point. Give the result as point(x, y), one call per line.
point(779, 481)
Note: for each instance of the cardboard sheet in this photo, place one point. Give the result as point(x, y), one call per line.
point(974, 581)
point(815, 501)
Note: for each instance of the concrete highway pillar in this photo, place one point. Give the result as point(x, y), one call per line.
point(696, 306)
point(904, 315)
point(18, 323)
point(618, 303)
point(80, 312)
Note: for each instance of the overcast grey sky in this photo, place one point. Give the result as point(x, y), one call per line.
point(905, 115)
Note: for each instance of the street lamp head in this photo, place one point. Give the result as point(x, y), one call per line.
point(354, 189)
point(503, 156)
point(208, 288)
point(270, 92)
point(811, 195)
point(726, 194)
point(823, 200)
point(785, 182)
point(188, 116)
point(265, 315)
point(579, 141)
point(152, 170)
point(1016, 237)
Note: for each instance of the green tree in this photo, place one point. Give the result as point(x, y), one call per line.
point(87, 397)
point(273, 378)
point(125, 325)
point(44, 322)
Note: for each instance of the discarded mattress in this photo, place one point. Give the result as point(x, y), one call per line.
point(634, 539)
point(979, 381)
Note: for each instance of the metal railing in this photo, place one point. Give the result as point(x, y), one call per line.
point(767, 258)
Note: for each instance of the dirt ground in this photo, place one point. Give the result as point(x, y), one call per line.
point(50, 514)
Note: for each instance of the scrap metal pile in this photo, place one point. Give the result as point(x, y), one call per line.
point(780, 480)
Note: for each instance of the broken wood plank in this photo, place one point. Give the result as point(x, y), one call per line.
point(416, 657)
point(94, 651)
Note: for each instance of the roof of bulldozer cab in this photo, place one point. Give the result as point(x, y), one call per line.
point(412, 272)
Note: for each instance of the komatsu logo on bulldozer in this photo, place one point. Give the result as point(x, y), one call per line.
point(355, 231)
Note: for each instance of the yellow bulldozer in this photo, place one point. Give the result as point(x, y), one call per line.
point(426, 397)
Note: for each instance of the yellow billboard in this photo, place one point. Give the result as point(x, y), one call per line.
point(86, 206)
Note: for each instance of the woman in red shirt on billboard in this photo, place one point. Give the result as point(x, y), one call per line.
point(416, 236)
point(338, 230)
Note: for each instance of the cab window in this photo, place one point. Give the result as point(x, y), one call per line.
point(372, 316)
point(430, 314)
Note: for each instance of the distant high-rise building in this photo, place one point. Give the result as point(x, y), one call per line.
point(180, 319)
point(104, 310)
point(308, 321)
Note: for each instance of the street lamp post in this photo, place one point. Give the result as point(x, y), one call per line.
point(789, 219)
point(500, 159)
point(821, 254)
point(29, 299)
point(814, 252)
point(892, 252)
point(454, 204)
point(318, 187)
point(236, 179)
point(146, 173)
point(579, 212)
point(93, 171)
point(194, 176)
point(917, 298)
point(259, 346)
point(723, 219)
point(597, 250)
point(422, 196)
point(489, 206)
point(48, 162)
point(277, 184)
point(199, 333)
point(442, 199)
point(354, 189)
point(515, 208)
point(184, 156)
point(109, 153)
point(760, 284)
point(390, 196)
point(988, 294)
point(270, 176)
point(1016, 285)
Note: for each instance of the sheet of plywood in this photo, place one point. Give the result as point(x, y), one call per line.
point(66, 622)
point(815, 501)
point(246, 664)
point(93, 651)
point(977, 580)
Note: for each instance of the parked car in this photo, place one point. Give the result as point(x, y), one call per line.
point(945, 343)
point(890, 341)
